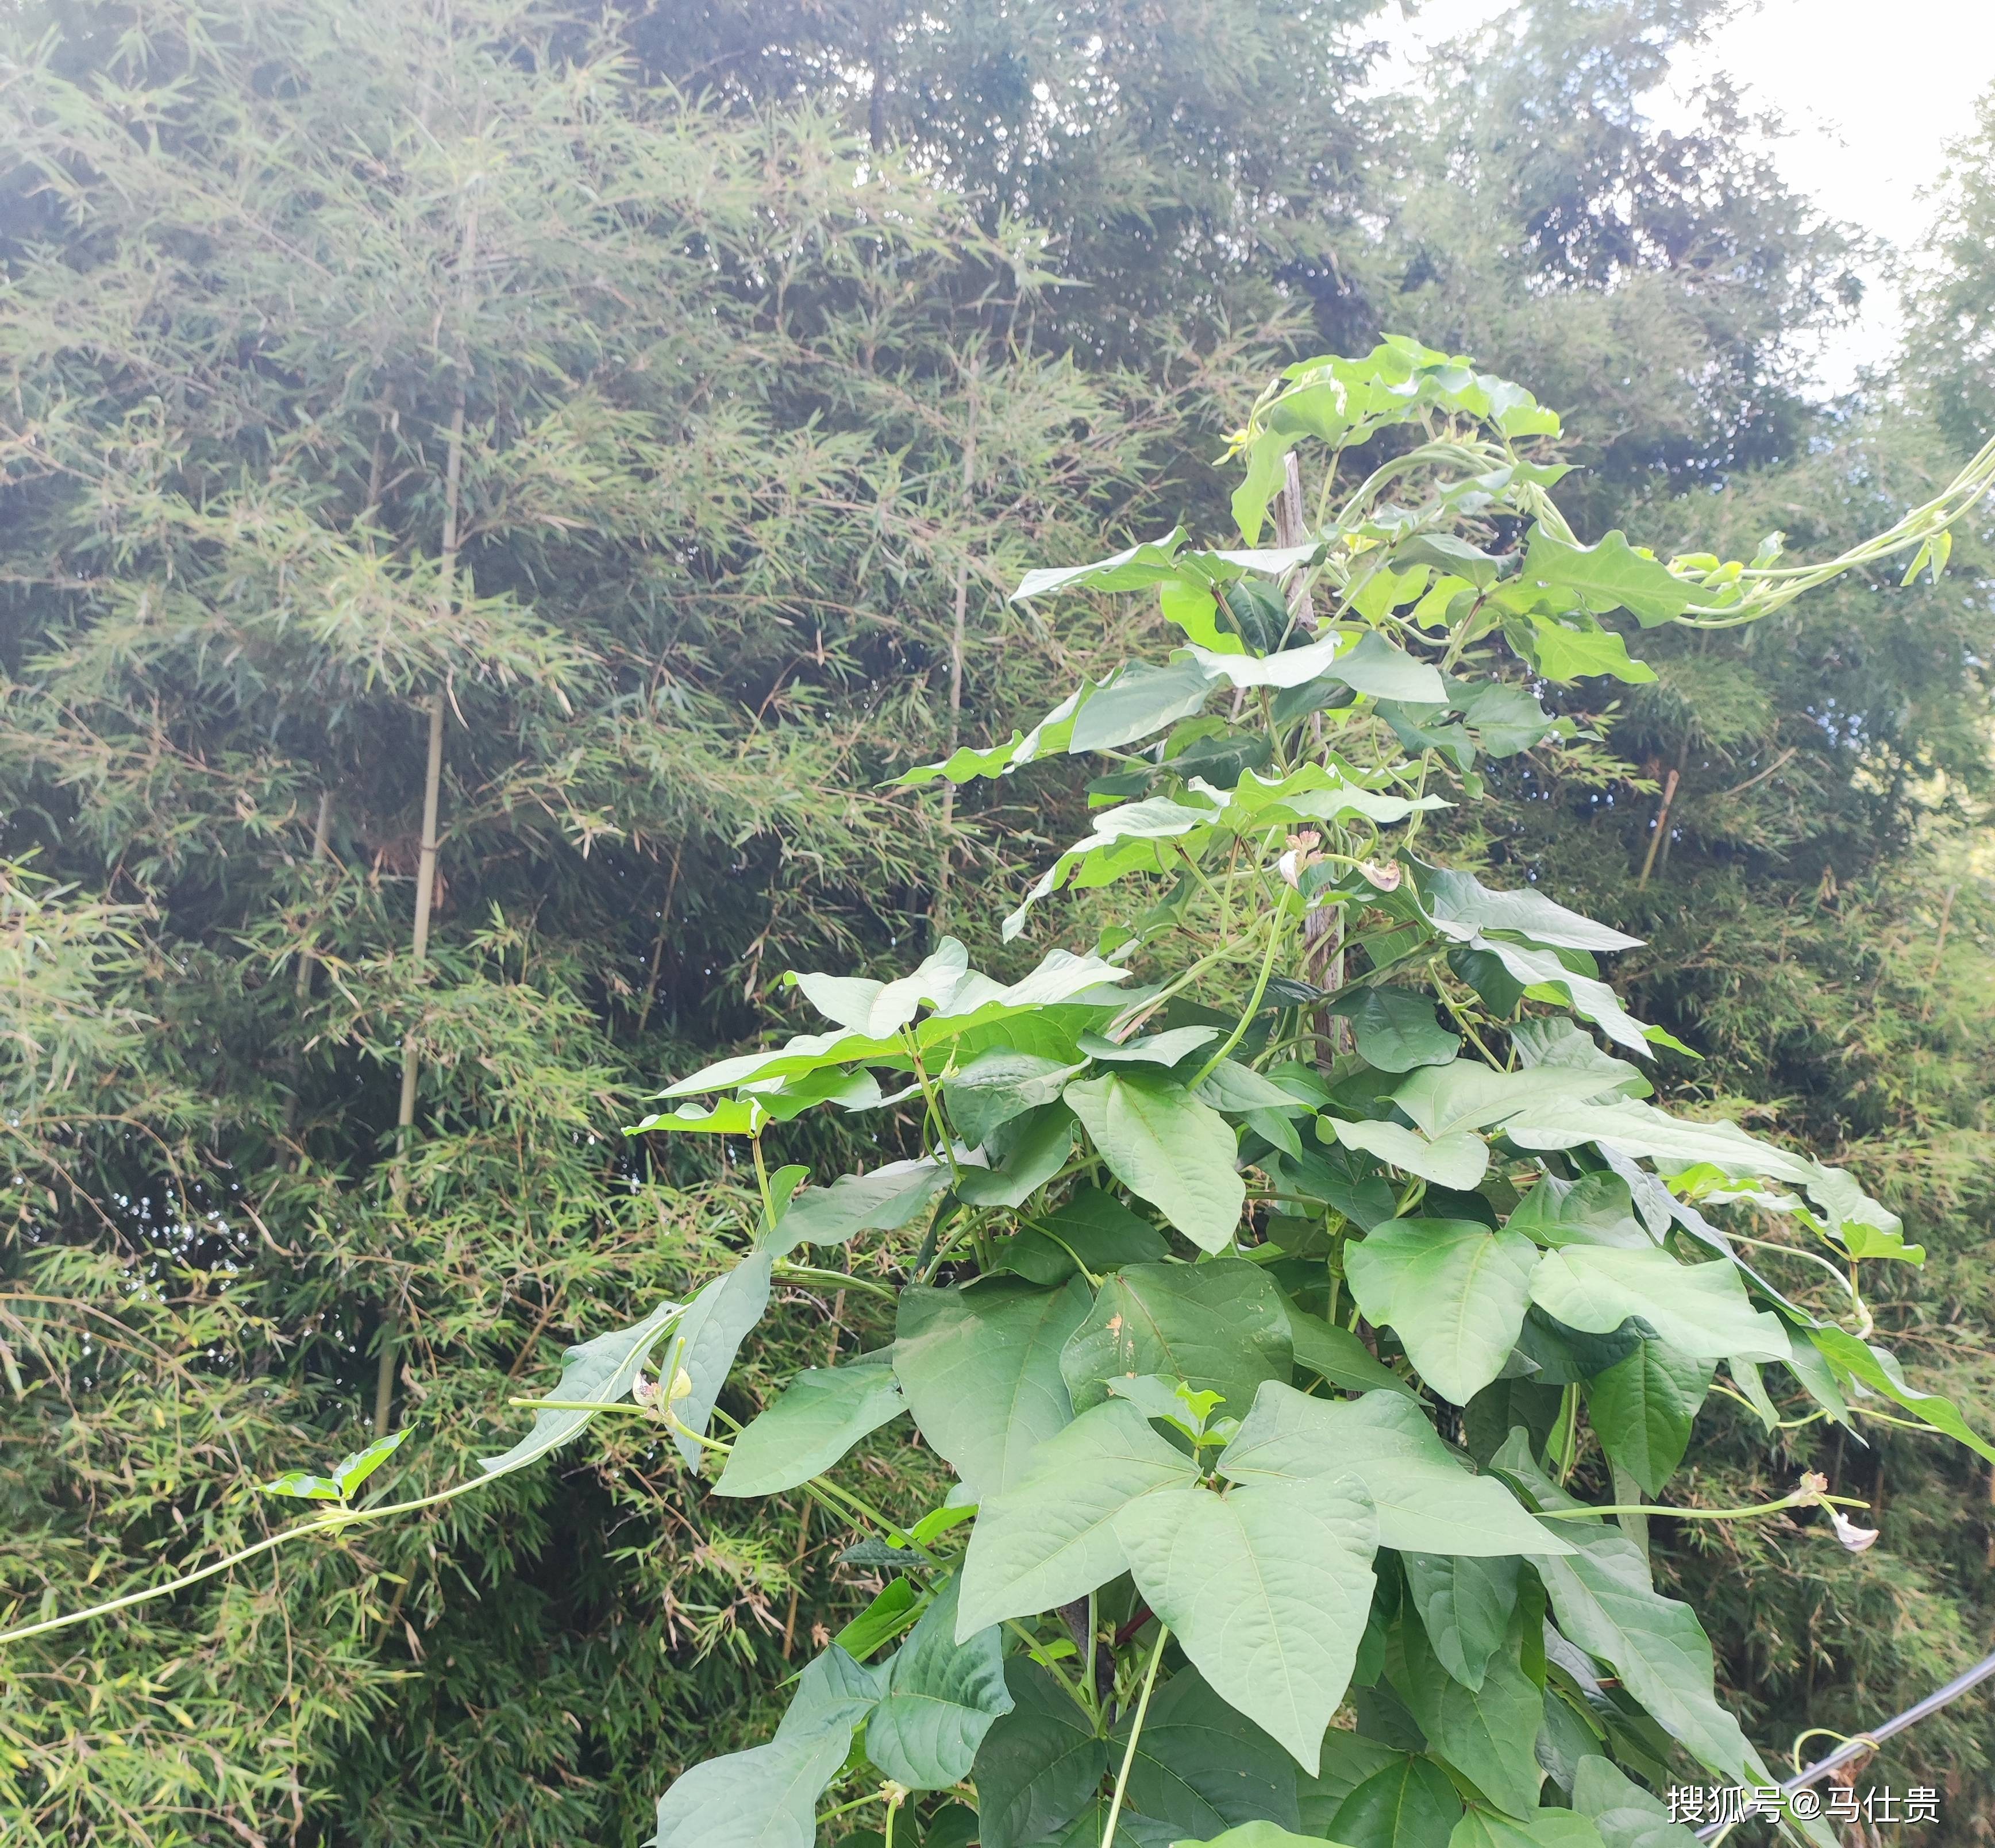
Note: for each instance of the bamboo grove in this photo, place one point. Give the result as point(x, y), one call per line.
point(497, 499)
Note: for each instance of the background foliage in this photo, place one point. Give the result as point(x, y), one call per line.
point(744, 446)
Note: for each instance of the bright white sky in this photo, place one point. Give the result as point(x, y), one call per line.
point(1871, 91)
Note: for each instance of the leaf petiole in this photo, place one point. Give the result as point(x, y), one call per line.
point(1136, 1733)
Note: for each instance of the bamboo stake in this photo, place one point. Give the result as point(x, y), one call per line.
point(1939, 949)
point(405, 1114)
point(1662, 828)
point(1323, 929)
point(390, 1339)
point(957, 630)
point(320, 832)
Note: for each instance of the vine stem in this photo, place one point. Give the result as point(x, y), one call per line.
point(1275, 935)
point(1780, 1424)
point(1786, 1501)
point(331, 1523)
point(1136, 1733)
point(834, 1279)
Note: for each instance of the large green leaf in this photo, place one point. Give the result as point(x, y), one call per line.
point(1133, 1830)
point(1219, 1326)
point(1348, 1759)
point(1152, 1048)
point(1545, 978)
point(1539, 1828)
point(981, 1371)
point(1610, 576)
point(1452, 1290)
point(601, 1371)
point(693, 1363)
point(1465, 1603)
point(1410, 1804)
point(1035, 1147)
point(1463, 906)
point(881, 1200)
point(1594, 1210)
point(1877, 1369)
point(1342, 1178)
point(1564, 1355)
point(1256, 1835)
point(1458, 1160)
point(1643, 1408)
point(1266, 1588)
point(1604, 1601)
point(1201, 1765)
point(879, 1009)
point(767, 1797)
point(1505, 718)
point(1639, 1129)
point(1165, 1147)
point(1092, 1230)
point(1141, 700)
point(1339, 1357)
point(822, 1414)
point(1038, 1764)
point(1489, 1733)
point(1372, 665)
point(1700, 1310)
point(764, 1797)
point(1150, 562)
point(1426, 1501)
point(1081, 986)
point(1626, 1815)
point(999, 1084)
point(1563, 652)
point(938, 1697)
point(1396, 1028)
point(1445, 1100)
point(1050, 1537)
